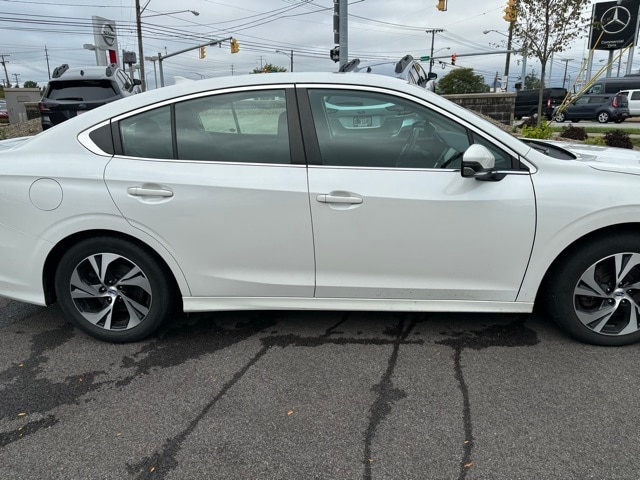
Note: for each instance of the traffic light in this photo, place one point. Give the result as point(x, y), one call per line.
point(235, 46)
point(510, 11)
point(442, 5)
point(203, 52)
point(453, 59)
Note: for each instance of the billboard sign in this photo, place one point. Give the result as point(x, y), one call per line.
point(615, 24)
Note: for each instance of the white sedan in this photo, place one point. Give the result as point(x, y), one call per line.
point(314, 191)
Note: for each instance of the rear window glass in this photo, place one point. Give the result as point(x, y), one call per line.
point(81, 90)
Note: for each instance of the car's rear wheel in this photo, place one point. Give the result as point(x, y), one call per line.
point(594, 295)
point(604, 117)
point(560, 117)
point(113, 290)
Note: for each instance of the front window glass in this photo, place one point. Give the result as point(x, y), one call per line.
point(362, 129)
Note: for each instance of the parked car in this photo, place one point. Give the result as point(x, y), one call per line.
point(262, 192)
point(4, 113)
point(406, 68)
point(527, 102)
point(633, 98)
point(602, 107)
point(74, 91)
point(614, 84)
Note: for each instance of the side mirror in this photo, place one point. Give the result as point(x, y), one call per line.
point(478, 162)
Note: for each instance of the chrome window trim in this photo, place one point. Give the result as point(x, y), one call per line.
point(211, 162)
point(207, 93)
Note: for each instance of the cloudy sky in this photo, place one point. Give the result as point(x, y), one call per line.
point(267, 31)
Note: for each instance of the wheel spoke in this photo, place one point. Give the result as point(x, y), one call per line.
point(100, 263)
point(81, 289)
point(632, 326)
point(624, 264)
point(137, 312)
point(603, 314)
point(95, 317)
point(589, 279)
point(135, 277)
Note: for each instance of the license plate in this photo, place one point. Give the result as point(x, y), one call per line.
point(362, 121)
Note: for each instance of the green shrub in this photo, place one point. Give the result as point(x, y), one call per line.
point(618, 138)
point(595, 141)
point(574, 133)
point(543, 131)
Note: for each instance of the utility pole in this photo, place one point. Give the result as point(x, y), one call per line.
point(291, 69)
point(566, 63)
point(4, 65)
point(232, 68)
point(505, 80)
point(433, 32)
point(16, 75)
point(143, 86)
point(46, 54)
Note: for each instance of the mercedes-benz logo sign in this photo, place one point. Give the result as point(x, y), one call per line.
point(615, 19)
point(108, 34)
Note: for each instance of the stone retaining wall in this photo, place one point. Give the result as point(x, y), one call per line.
point(499, 106)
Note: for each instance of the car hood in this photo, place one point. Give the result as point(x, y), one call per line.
point(12, 142)
point(608, 159)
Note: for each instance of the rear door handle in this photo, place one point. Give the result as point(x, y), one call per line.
point(149, 192)
point(328, 198)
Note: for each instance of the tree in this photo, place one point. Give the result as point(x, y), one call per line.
point(462, 80)
point(544, 27)
point(531, 81)
point(269, 68)
point(30, 84)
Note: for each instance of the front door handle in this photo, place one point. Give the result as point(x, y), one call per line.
point(149, 192)
point(329, 198)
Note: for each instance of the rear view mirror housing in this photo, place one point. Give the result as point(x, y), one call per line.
point(479, 163)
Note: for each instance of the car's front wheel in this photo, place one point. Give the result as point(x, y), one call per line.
point(604, 117)
point(594, 295)
point(113, 290)
point(560, 117)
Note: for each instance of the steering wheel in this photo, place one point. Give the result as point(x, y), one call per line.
point(411, 143)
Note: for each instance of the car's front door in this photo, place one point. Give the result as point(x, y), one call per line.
point(221, 189)
point(392, 216)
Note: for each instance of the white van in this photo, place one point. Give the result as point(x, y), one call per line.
point(634, 101)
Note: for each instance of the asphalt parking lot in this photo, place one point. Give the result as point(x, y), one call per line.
point(326, 395)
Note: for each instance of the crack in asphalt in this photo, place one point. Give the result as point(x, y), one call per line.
point(164, 460)
point(513, 334)
point(387, 393)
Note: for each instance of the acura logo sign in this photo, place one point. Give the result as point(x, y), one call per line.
point(615, 19)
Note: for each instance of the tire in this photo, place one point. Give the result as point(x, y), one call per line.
point(590, 301)
point(560, 117)
point(113, 290)
point(603, 117)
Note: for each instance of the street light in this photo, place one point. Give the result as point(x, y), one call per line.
point(139, 32)
point(287, 54)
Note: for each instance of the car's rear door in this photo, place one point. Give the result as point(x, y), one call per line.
point(392, 216)
point(224, 188)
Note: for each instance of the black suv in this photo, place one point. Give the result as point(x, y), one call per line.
point(602, 107)
point(73, 91)
point(527, 101)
